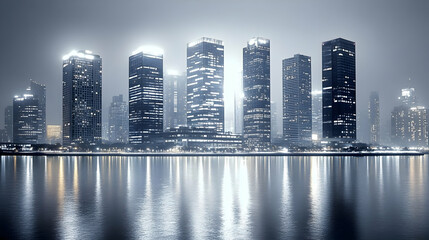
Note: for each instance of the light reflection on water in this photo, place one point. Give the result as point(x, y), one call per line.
point(214, 197)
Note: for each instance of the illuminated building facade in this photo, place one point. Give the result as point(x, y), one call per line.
point(297, 115)
point(374, 118)
point(205, 80)
point(118, 120)
point(145, 94)
point(316, 109)
point(54, 134)
point(26, 119)
point(339, 90)
point(82, 84)
point(39, 92)
point(256, 89)
point(174, 100)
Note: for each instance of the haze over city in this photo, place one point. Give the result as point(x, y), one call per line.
point(391, 43)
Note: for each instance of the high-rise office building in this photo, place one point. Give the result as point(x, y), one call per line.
point(297, 115)
point(145, 94)
point(256, 88)
point(316, 108)
point(39, 92)
point(409, 122)
point(408, 97)
point(26, 119)
point(339, 90)
point(276, 122)
point(174, 100)
point(374, 118)
point(8, 123)
point(205, 80)
point(82, 98)
point(118, 120)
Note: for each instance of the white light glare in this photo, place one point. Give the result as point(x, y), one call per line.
point(81, 54)
point(151, 50)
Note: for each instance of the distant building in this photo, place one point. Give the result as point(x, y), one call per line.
point(174, 100)
point(409, 122)
point(39, 92)
point(118, 120)
point(146, 79)
point(297, 115)
point(82, 98)
point(408, 97)
point(316, 108)
point(201, 139)
point(54, 134)
point(8, 123)
point(205, 81)
point(339, 90)
point(276, 124)
point(3, 136)
point(374, 118)
point(256, 88)
point(26, 119)
point(238, 107)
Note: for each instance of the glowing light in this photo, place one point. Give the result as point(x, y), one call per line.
point(173, 72)
point(258, 40)
point(151, 50)
point(80, 54)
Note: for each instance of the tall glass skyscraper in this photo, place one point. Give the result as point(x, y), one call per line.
point(174, 100)
point(297, 115)
point(374, 118)
point(145, 94)
point(39, 92)
point(82, 98)
point(256, 88)
point(339, 90)
point(118, 120)
point(205, 76)
point(26, 119)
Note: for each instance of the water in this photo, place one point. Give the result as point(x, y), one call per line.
point(214, 197)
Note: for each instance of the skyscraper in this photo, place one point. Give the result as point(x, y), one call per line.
point(26, 119)
point(205, 76)
point(339, 90)
point(82, 98)
point(297, 115)
point(316, 98)
point(118, 120)
point(174, 100)
point(408, 97)
point(39, 92)
point(145, 94)
point(374, 117)
point(256, 88)
point(238, 107)
point(276, 122)
point(8, 122)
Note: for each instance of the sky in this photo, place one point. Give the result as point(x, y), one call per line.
point(392, 42)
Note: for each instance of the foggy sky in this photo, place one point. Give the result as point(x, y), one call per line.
point(391, 38)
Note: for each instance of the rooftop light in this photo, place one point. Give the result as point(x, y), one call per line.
point(151, 50)
point(81, 54)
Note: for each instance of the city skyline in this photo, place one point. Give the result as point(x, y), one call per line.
point(401, 36)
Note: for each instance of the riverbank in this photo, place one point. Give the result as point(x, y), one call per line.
point(191, 154)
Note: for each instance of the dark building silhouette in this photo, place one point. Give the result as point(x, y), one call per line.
point(26, 119)
point(339, 90)
point(256, 88)
point(39, 92)
point(297, 115)
point(82, 84)
point(145, 94)
point(174, 100)
point(205, 76)
point(118, 120)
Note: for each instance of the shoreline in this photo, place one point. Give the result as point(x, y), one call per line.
point(203, 154)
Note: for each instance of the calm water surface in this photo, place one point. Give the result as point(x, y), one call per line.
point(214, 197)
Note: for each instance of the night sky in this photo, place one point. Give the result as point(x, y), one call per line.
point(392, 42)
